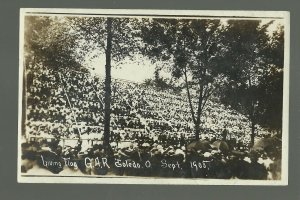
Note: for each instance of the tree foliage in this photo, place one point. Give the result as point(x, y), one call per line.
point(49, 40)
point(249, 64)
point(272, 84)
point(92, 32)
point(191, 48)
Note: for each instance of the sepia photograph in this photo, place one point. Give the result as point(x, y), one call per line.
point(111, 96)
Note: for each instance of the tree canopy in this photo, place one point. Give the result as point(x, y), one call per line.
point(254, 69)
point(191, 47)
point(49, 40)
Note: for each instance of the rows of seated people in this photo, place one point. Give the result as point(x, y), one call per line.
point(45, 97)
point(76, 98)
point(163, 110)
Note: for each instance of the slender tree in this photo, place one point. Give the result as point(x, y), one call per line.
point(190, 48)
point(107, 87)
point(117, 38)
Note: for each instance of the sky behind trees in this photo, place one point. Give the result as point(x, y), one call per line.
point(141, 68)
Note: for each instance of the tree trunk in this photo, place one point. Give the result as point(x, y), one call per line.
point(189, 97)
point(252, 133)
point(107, 87)
point(199, 113)
point(197, 131)
point(24, 102)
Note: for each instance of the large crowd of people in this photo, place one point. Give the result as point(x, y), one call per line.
point(143, 157)
point(64, 118)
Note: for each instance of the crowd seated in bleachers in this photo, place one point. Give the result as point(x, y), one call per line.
point(69, 106)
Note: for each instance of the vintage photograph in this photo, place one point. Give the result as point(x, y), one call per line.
point(153, 97)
